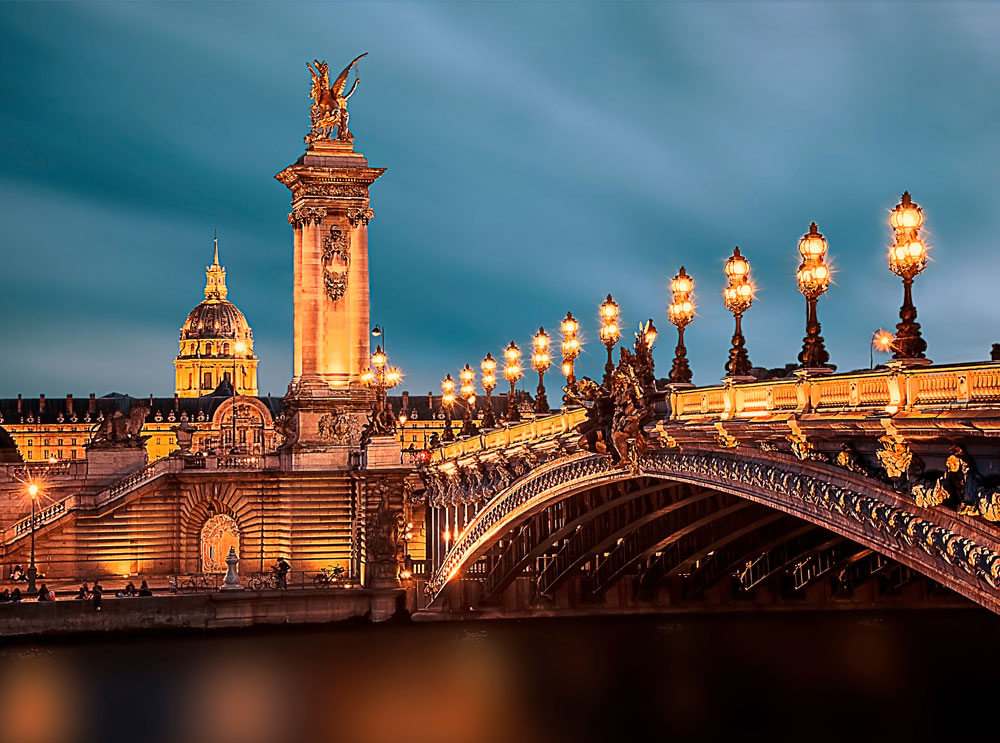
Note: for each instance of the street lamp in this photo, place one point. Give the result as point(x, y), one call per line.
point(907, 258)
point(381, 377)
point(238, 348)
point(540, 362)
point(681, 313)
point(610, 333)
point(468, 392)
point(814, 279)
point(379, 332)
point(738, 297)
point(512, 373)
point(489, 367)
point(447, 400)
point(570, 351)
point(33, 491)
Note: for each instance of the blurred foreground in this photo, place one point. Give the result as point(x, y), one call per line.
point(815, 677)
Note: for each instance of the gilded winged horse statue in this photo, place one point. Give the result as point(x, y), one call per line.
point(329, 108)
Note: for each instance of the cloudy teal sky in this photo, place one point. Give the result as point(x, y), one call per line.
point(539, 156)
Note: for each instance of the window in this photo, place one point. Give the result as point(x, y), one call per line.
point(190, 381)
point(46, 443)
point(46, 456)
point(60, 442)
point(73, 442)
point(31, 442)
point(74, 454)
point(206, 381)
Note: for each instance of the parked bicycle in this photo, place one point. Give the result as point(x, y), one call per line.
point(263, 582)
point(193, 583)
point(333, 576)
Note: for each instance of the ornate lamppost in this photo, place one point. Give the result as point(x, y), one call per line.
point(489, 367)
point(447, 400)
point(33, 491)
point(570, 351)
point(381, 377)
point(907, 258)
point(738, 297)
point(512, 373)
point(540, 362)
point(814, 279)
point(468, 392)
point(610, 333)
point(681, 313)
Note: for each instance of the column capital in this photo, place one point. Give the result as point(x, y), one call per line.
point(306, 215)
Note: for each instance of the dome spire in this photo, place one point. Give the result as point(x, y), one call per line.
point(215, 285)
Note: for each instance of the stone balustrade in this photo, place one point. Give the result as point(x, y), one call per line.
point(889, 391)
point(531, 431)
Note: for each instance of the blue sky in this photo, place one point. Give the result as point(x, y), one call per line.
point(539, 156)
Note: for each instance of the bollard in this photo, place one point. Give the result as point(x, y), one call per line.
point(232, 581)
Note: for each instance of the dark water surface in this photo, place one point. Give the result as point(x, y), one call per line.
point(797, 676)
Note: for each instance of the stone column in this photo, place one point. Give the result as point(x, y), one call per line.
point(326, 401)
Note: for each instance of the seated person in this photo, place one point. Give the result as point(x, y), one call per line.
point(84, 592)
point(130, 589)
point(17, 574)
point(144, 589)
point(15, 596)
point(4, 596)
point(43, 593)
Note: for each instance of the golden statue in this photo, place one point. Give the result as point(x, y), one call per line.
point(329, 108)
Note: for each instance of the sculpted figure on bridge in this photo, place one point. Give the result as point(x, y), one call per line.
point(329, 107)
point(119, 430)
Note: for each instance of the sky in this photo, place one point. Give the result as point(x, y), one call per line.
point(539, 155)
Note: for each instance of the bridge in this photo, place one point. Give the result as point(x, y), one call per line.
point(876, 477)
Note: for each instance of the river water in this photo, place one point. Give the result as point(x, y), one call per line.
point(802, 676)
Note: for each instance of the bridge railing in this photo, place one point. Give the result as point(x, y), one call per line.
point(885, 390)
point(542, 427)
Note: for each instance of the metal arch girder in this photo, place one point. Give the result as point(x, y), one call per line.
point(728, 553)
point(493, 586)
point(628, 553)
point(605, 541)
point(817, 538)
point(960, 553)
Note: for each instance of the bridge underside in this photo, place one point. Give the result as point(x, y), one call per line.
point(649, 544)
point(694, 530)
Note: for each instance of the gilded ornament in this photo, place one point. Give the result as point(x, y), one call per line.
point(329, 106)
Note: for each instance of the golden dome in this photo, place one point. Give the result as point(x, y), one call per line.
point(216, 318)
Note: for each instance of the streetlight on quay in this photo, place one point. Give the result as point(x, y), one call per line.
point(610, 333)
point(468, 392)
point(813, 279)
point(570, 351)
point(681, 313)
point(907, 258)
point(447, 400)
point(512, 373)
point(33, 491)
point(489, 367)
point(738, 297)
point(540, 362)
point(238, 348)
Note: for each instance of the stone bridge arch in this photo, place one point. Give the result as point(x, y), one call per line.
point(960, 553)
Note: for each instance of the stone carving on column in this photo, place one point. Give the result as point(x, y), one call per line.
point(360, 216)
point(386, 549)
point(306, 215)
point(340, 428)
point(336, 263)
